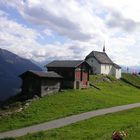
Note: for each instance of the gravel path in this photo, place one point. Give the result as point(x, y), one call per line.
point(65, 121)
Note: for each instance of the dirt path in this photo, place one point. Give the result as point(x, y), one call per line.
point(65, 121)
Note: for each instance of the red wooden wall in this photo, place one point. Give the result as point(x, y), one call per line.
point(84, 77)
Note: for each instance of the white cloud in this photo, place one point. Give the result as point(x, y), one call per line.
point(129, 9)
point(85, 25)
point(23, 41)
point(116, 20)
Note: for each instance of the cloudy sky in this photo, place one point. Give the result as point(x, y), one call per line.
point(44, 30)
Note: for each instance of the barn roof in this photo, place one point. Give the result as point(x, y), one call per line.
point(43, 74)
point(65, 63)
point(101, 57)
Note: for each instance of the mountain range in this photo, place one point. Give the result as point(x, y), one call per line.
point(131, 69)
point(11, 66)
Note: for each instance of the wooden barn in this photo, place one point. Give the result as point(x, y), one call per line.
point(40, 83)
point(75, 73)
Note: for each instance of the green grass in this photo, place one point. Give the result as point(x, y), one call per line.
point(95, 79)
point(72, 102)
point(132, 79)
point(98, 128)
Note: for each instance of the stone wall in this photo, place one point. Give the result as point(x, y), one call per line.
point(50, 86)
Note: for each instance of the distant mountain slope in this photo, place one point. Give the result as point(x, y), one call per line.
point(131, 69)
point(11, 66)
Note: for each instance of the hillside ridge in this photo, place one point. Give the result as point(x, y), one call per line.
point(11, 66)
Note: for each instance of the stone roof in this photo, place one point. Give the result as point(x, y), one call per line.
point(101, 57)
point(43, 74)
point(116, 66)
point(65, 63)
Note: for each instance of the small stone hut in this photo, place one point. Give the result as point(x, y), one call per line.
point(40, 83)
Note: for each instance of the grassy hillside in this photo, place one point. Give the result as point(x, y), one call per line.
point(132, 79)
point(98, 128)
point(70, 102)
